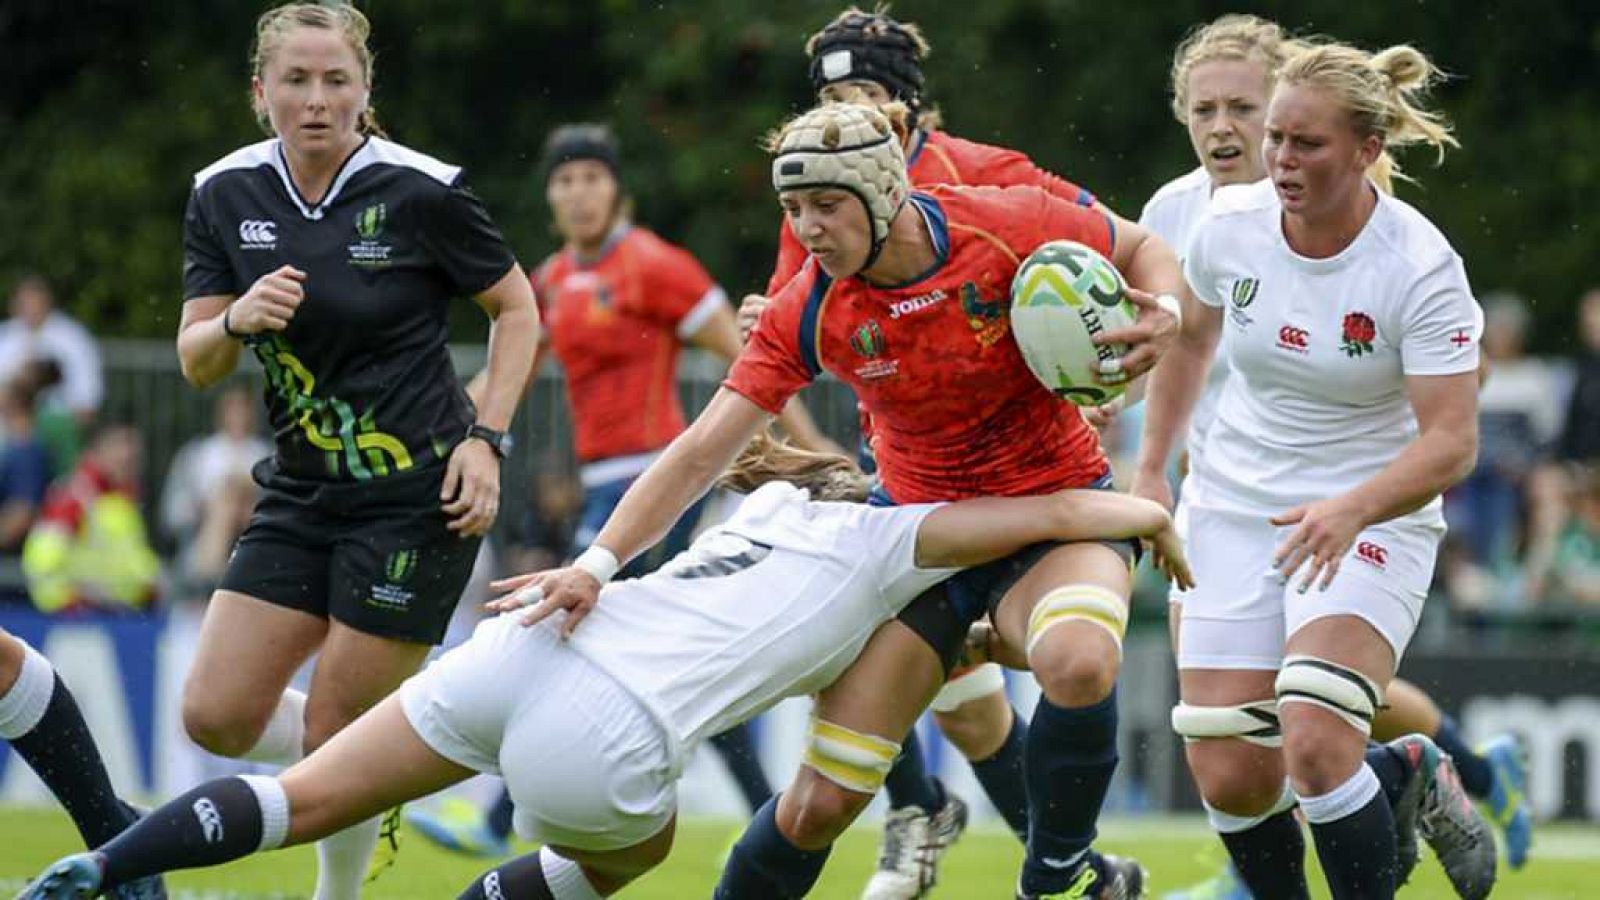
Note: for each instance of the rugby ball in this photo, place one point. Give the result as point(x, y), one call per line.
point(1062, 296)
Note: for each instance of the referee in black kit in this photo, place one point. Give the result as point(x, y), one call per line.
point(333, 254)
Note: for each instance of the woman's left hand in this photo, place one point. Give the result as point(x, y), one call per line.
point(1326, 530)
point(572, 589)
point(1147, 339)
point(470, 495)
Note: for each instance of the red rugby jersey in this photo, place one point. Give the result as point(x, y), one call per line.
point(955, 411)
point(940, 158)
point(617, 324)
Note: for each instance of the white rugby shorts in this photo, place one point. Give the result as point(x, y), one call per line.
point(585, 762)
point(1242, 611)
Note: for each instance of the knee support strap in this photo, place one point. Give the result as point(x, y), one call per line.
point(852, 760)
point(1342, 691)
point(1255, 722)
point(1081, 602)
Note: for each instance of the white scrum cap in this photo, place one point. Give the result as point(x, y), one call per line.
point(849, 146)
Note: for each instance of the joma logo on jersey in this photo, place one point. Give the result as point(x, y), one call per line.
point(369, 252)
point(1244, 291)
point(258, 234)
point(916, 304)
point(868, 340)
point(1373, 554)
point(1293, 338)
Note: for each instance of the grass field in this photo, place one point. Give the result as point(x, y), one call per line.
point(1566, 864)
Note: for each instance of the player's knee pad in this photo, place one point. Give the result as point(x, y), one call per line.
point(1255, 722)
point(1078, 602)
point(852, 760)
point(1342, 691)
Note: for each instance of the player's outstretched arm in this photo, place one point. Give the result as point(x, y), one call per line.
point(973, 532)
point(683, 473)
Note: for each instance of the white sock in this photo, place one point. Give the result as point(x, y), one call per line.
point(1344, 800)
point(565, 877)
point(282, 742)
point(25, 703)
point(342, 860)
point(274, 810)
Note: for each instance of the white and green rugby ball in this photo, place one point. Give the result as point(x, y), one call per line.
point(1063, 295)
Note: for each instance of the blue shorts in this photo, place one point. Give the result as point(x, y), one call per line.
point(976, 592)
point(600, 500)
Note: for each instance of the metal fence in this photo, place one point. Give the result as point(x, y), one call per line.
point(145, 387)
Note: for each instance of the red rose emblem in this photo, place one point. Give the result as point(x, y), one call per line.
point(1359, 330)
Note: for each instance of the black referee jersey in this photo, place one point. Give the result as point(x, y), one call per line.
point(360, 385)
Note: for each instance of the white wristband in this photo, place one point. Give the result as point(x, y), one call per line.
point(1171, 305)
point(599, 562)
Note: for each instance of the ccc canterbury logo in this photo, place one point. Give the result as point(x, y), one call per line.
point(258, 234)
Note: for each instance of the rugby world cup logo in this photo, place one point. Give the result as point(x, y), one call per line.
point(1244, 291)
point(369, 222)
point(868, 340)
point(400, 566)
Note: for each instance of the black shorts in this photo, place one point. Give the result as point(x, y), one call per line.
point(375, 555)
point(941, 615)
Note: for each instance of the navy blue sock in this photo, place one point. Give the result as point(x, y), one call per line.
point(1392, 768)
point(1002, 778)
point(763, 865)
point(62, 752)
point(1271, 857)
point(737, 747)
point(501, 815)
point(1358, 852)
point(908, 783)
point(217, 822)
point(522, 877)
point(1069, 759)
point(1477, 776)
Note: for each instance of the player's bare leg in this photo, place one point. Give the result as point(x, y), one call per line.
point(1066, 615)
point(783, 849)
point(375, 764)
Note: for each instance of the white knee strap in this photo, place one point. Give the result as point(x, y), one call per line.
point(852, 760)
point(1255, 722)
point(1342, 691)
point(1080, 602)
point(980, 682)
point(1227, 823)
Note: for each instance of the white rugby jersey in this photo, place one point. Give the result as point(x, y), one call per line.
point(775, 602)
point(1319, 349)
point(1174, 214)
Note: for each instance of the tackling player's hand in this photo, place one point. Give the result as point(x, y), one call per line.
point(1148, 338)
point(1099, 417)
point(1326, 530)
point(470, 495)
point(571, 589)
point(750, 311)
point(1167, 549)
point(269, 304)
point(1153, 486)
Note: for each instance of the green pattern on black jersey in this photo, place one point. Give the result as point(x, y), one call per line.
point(359, 385)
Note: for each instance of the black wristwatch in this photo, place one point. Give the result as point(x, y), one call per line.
point(498, 441)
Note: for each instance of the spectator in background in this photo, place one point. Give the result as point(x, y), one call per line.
point(38, 331)
point(1580, 436)
point(543, 534)
point(89, 547)
point(1563, 561)
point(24, 478)
point(1519, 418)
point(209, 492)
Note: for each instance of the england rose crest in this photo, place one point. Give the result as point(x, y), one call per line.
point(1359, 330)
